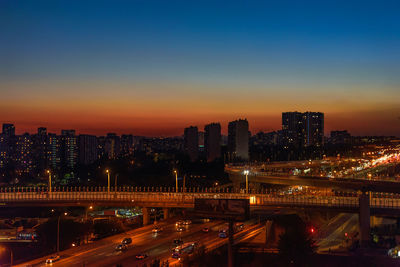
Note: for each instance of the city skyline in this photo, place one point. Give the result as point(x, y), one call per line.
point(152, 68)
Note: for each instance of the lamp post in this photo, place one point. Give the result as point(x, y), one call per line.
point(176, 181)
point(246, 172)
point(49, 173)
point(108, 184)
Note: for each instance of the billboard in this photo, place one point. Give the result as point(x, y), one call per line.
point(238, 209)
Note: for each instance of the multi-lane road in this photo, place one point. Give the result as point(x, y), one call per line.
point(156, 246)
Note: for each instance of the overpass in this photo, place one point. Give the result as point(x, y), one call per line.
point(237, 176)
point(357, 202)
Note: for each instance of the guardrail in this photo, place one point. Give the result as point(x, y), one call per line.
point(257, 199)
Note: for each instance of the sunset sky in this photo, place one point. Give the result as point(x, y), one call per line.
point(154, 67)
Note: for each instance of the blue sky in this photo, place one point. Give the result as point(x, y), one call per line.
point(279, 51)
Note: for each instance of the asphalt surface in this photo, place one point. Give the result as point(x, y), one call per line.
point(156, 246)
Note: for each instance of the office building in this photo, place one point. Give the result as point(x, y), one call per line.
point(212, 141)
point(238, 139)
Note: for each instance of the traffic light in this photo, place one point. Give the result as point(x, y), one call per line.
point(345, 234)
point(312, 230)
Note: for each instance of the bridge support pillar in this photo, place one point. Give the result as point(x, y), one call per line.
point(146, 215)
point(364, 219)
point(166, 213)
point(268, 232)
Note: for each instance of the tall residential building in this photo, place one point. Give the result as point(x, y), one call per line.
point(112, 145)
point(191, 142)
point(238, 139)
point(87, 149)
point(313, 128)
point(68, 149)
point(22, 155)
point(40, 149)
point(303, 129)
point(126, 144)
point(4, 151)
point(293, 129)
point(212, 141)
point(8, 129)
point(53, 151)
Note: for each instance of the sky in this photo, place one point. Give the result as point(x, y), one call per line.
point(155, 67)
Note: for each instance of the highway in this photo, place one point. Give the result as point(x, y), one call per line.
point(156, 246)
point(332, 235)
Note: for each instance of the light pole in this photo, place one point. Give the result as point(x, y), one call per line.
point(176, 181)
point(49, 172)
point(246, 172)
point(108, 176)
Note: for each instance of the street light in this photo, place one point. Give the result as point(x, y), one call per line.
point(176, 181)
point(108, 175)
point(49, 172)
point(246, 172)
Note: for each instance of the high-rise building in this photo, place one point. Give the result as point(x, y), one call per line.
point(191, 142)
point(212, 141)
point(313, 128)
point(23, 154)
point(87, 149)
point(68, 149)
point(112, 145)
point(126, 144)
point(293, 129)
point(8, 129)
point(238, 139)
point(303, 129)
point(40, 149)
point(4, 151)
point(53, 151)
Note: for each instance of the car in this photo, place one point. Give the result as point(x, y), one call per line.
point(180, 229)
point(187, 222)
point(206, 230)
point(180, 222)
point(141, 256)
point(127, 241)
point(121, 247)
point(52, 259)
point(157, 230)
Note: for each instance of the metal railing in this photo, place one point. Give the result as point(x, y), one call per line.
point(186, 197)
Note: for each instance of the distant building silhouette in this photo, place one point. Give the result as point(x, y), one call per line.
point(212, 141)
point(87, 149)
point(191, 142)
point(238, 139)
point(302, 129)
point(8, 129)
